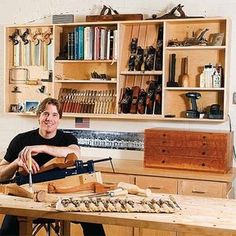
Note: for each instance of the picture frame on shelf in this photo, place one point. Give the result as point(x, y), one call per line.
point(31, 106)
point(13, 107)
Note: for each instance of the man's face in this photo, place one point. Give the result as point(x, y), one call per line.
point(49, 120)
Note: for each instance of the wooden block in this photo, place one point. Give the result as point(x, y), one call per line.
point(119, 17)
point(193, 150)
point(93, 177)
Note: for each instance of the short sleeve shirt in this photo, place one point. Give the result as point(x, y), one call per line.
point(34, 138)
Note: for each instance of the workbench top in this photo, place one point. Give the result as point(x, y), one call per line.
point(136, 167)
point(205, 216)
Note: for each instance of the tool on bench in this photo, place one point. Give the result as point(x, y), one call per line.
point(111, 193)
point(60, 172)
point(30, 175)
point(174, 201)
point(99, 189)
point(134, 189)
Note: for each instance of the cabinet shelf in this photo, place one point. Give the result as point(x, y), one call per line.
point(197, 48)
point(126, 72)
point(193, 88)
point(140, 116)
point(89, 115)
point(70, 79)
point(87, 81)
point(85, 61)
point(194, 120)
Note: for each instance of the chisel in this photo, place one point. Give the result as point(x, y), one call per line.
point(30, 175)
point(112, 193)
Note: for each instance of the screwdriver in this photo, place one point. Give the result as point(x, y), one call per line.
point(30, 175)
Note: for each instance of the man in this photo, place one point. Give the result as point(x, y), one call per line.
point(41, 144)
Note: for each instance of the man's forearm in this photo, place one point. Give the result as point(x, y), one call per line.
point(7, 170)
point(62, 151)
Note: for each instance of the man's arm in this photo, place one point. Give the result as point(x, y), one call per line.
point(55, 151)
point(7, 170)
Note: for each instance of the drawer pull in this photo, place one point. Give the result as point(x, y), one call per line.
point(196, 191)
point(151, 187)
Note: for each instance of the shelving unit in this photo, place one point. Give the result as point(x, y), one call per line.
point(73, 76)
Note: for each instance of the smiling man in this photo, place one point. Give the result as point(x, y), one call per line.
point(41, 145)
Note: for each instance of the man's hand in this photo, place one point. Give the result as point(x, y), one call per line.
point(25, 155)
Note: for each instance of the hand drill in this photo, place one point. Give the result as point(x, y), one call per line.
point(193, 113)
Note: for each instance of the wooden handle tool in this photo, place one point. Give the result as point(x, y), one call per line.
point(185, 76)
point(134, 189)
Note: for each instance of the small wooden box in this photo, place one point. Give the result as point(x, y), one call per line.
point(192, 150)
point(119, 17)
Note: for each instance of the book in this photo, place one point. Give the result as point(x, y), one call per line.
point(91, 43)
point(80, 42)
point(76, 47)
point(72, 56)
point(71, 46)
point(103, 45)
point(88, 43)
point(115, 45)
point(97, 42)
point(108, 44)
point(111, 45)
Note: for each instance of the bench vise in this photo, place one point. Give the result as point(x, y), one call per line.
point(57, 173)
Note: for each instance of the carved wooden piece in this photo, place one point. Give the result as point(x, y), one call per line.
point(91, 186)
point(204, 151)
point(16, 190)
point(59, 162)
point(56, 162)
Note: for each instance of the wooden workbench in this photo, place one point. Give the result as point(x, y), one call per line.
point(204, 216)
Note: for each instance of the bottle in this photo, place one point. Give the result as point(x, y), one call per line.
point(220, 71)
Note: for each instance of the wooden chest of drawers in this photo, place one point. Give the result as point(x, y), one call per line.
point(193, 150)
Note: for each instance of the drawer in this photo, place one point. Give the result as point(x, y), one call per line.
point(109, 178)
point(157, 184)
point(203, 188)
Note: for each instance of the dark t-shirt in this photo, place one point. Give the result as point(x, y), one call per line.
point(33, 138)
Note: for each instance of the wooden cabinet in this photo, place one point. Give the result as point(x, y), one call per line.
point(188, 149)
point(198, 56)
point(28, 67)
point(134, 77)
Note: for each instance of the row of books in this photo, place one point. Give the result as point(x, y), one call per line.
point(92, 43)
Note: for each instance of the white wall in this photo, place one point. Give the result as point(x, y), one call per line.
point(25, 11)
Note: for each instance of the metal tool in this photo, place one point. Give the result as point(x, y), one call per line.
point(172, 82)
point(174, 201)
point(112, 193)
point(193, 113)
point(30, 175)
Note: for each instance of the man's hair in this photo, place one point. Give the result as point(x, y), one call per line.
point(45, 102)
